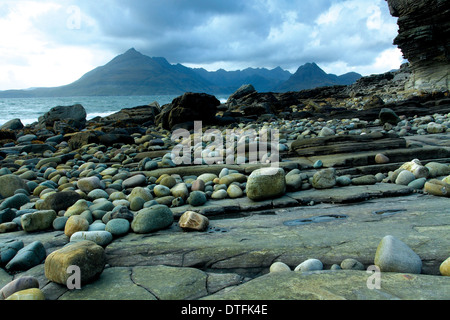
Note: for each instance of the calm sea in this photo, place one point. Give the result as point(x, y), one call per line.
point(28, 110)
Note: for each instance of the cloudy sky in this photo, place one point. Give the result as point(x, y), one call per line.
point(52, 43)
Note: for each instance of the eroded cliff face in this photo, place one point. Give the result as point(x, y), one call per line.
point(424, 38)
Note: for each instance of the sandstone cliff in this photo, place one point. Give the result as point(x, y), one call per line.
point(424, 33)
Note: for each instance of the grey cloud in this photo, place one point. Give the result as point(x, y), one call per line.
point(234, 31)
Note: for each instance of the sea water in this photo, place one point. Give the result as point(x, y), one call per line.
point(28, 110)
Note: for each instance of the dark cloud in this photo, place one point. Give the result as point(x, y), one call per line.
point(257, 33)
point(340, 35)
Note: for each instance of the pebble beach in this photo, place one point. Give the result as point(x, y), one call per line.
point(122, 206)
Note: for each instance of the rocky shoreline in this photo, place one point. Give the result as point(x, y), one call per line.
point(108, 197)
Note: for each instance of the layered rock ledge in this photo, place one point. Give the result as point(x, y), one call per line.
point(424, 30)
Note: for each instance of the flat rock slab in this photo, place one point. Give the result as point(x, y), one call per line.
point(339, 285)
point(152, 283)
point(346, 144)
point(367, 158)
point(335, 195)
point(330, 233)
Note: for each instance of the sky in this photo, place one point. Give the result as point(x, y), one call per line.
point(47, 43)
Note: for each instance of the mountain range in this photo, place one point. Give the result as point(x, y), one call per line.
point(133, 73)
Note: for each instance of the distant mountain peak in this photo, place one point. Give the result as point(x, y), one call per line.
point(132, 52)
point(310, 75)
point(133, 73)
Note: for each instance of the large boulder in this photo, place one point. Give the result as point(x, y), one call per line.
point(393, 255)
point(10, 183)
point(27, 257)
point(243, 91)
point(266, 183)
point(151, 219)
point(38, 220)
point(188, 108)
point(74, 116)
point(13, 124)
point(85, 254)
point(136, 115)
point(60, 200)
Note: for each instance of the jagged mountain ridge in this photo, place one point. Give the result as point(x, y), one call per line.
point(133, 73)
point(310, 76)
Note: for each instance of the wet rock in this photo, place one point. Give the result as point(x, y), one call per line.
point(437, 169)
point(90, 183)
point(279, 267)
point(60, 201)
point(8, 227)
point(234, 191)
point(232, 177)
point(437, 188)
point(309, 265)
point(433, 127)
point(27, 294)
point(193, 221)
point(444, 268)
point(197, 198)
point(389, 116)
point(393, 255)
point(189, 107)
point(351, 264)
point(22, 283)
point(13, 124)
point(8, 250)
point(10, 183)
point(198, 185)
point(180, 191)
point(381, 158)
point(141, 192)
point(364, 180)
point(152, 219)
point(7, 215)
point(59, 223)
point(266, 183)
point(335, 285)
point(118, 227)
point(418, 184)
point(134, 181)
point(102, 238)
point(416, 167)
point(324, 179)
point(161, 191)
point(206, 177)
point(38, 221)
point(168, 181)
point(405, 177)
point(15, 201)
point(27, 257)
point(74, 224)
point(219, 194)
point(77, 208)
point(86, 255)
point(75, 113)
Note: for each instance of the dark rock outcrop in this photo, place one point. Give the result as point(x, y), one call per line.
point(135, 116)
point(64, 118)
point(424, 33)
point(188, 108)
point(13, 124)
